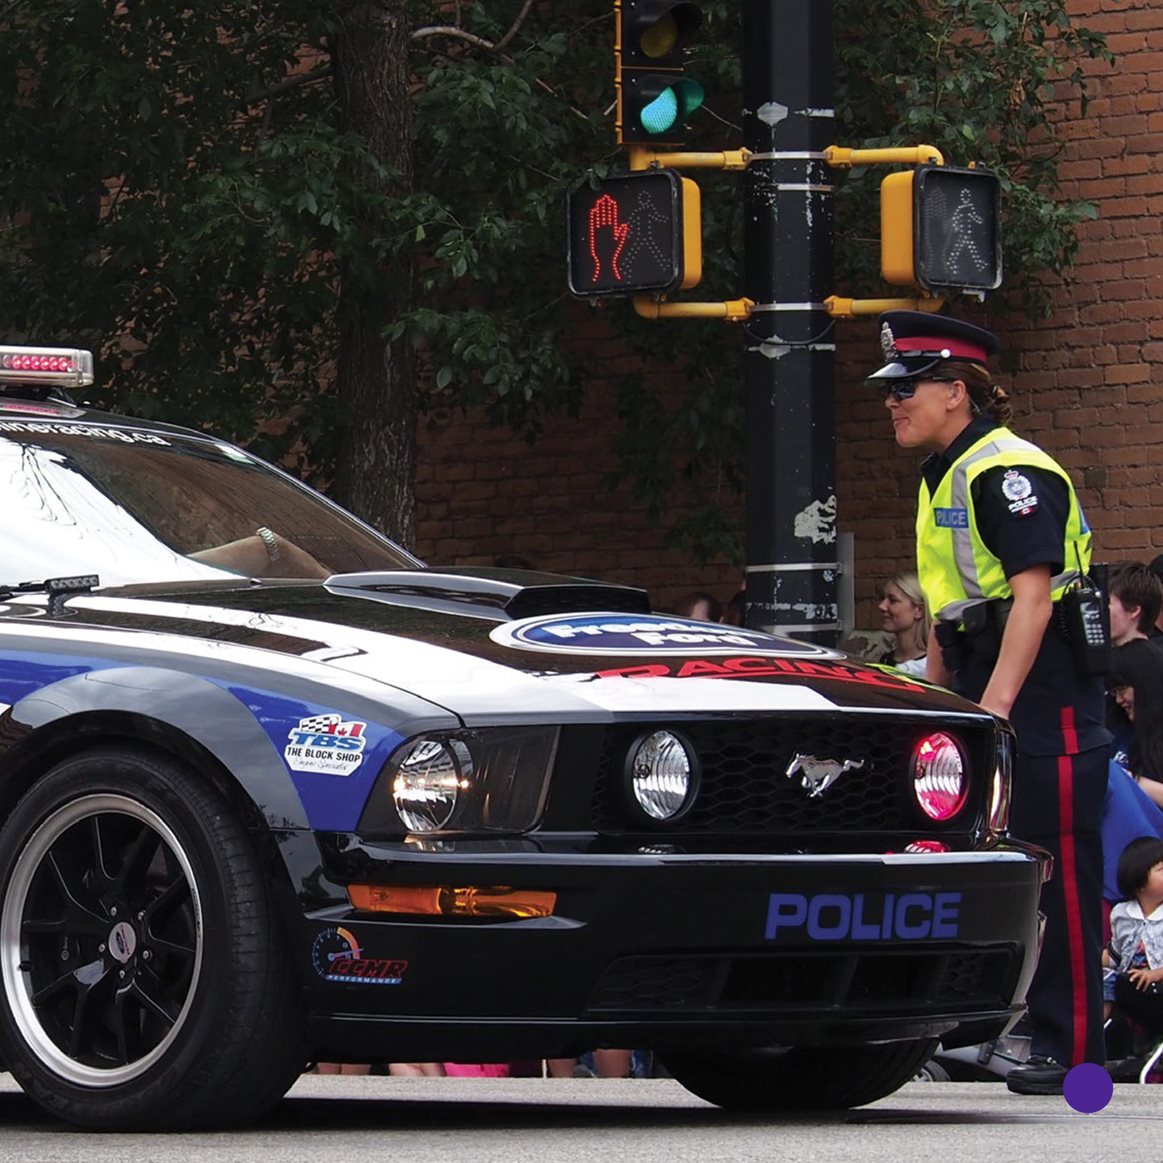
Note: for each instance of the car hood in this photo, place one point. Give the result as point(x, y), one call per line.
point(451, 639)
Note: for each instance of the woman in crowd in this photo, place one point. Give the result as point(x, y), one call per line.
point(1135, 681)
point(903, 615)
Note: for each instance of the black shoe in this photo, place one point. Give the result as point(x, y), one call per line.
point(1039, 1074)
point(1127, 1069)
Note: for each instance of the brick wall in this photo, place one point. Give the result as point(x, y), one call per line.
point(483, 492)
point(1087, 385)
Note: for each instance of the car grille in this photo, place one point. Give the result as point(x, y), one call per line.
point(934, 979)
point(744, 787)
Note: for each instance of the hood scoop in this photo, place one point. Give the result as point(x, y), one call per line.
point(504, 594)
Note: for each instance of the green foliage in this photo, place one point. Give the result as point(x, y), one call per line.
point(974, 78)
point(170, 198)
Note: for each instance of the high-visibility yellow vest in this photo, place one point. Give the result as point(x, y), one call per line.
point(955, 568)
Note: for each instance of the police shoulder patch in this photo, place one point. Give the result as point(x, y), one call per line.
point(1015, 486)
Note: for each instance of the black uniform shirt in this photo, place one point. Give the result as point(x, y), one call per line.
point(1020, 513)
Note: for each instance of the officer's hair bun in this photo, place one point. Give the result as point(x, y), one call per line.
point(984, 394)
point(999, 406)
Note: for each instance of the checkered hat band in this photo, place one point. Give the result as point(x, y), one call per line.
point(927, 345)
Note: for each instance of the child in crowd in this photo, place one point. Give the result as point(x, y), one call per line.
point(1133, 982)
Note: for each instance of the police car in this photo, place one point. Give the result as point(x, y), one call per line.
point(272, 792)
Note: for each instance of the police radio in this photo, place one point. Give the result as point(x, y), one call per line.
point(1086, 620)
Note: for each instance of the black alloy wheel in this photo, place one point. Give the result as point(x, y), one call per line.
point(143, 983)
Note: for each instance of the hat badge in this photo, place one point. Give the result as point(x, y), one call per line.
point(888, 342)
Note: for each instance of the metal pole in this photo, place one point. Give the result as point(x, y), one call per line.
point(788, 122)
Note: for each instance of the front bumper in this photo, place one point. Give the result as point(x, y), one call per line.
point(672, 951)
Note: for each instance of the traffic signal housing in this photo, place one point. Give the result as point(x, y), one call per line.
point(655, 97)
point(634, 234)
point(940, 229)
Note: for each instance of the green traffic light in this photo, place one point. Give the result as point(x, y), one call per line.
point(673, 105)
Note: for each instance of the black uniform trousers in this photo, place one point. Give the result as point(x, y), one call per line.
point(1057, 804)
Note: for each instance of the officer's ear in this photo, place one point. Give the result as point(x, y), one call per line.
point(958, 392)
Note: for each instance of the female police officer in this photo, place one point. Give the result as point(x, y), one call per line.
point(1001, 540)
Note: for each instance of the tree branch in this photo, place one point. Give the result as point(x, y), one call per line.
point(479, 41)
point(292, 82)
point(451, 30)
point(515, 26)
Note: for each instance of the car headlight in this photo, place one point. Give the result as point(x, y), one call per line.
point(430, 776)
point(662, 776)
point(940, 776)
point(491, 779)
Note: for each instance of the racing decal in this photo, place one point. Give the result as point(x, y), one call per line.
point(833, 916)
point(1019, 492)
point(951, 518)
point(612, 634)
point(337, 956)
point(50, 428)
point(326, 744)
point(752, 667)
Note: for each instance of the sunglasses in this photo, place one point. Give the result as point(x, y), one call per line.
point(907, 389)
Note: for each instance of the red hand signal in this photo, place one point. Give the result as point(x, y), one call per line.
point(603, 214)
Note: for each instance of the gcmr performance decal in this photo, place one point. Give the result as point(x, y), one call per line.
point(325, 743)
point(615, 634)
point(337, 957)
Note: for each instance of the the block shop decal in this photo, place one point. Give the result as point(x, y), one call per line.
point(326, 744)
point(337, 957)
point(620, 634)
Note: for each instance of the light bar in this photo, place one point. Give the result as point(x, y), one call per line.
point(70, 367)
point(446, 901)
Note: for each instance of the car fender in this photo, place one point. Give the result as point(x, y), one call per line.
point(242, 727)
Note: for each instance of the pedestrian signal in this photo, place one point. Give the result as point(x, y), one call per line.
point(940, 229)
point(634, 234)
point(654, 96)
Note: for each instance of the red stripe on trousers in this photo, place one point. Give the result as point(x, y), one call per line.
point(1069, 732)
point(1069, 873)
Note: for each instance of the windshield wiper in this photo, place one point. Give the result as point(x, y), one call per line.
point(57, 588)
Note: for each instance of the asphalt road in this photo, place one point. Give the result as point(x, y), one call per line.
point(359, 1120)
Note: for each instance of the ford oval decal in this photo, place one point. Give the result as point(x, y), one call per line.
point(612, 633)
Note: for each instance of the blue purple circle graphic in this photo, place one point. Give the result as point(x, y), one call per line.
point(1087, 1088)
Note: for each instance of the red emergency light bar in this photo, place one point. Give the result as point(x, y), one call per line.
point(66, 366)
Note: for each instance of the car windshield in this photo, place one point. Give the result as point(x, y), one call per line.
point(138, 506)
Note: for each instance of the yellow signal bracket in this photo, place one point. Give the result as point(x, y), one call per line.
point(841, 308)
point(730, 159)
point(733, 310)
point(842, 158)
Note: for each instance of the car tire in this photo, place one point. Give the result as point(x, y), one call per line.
point(144, 979)
point(806, 1078)
point(932, 1071)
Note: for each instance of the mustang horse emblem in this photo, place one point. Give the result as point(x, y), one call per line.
point(819, 774)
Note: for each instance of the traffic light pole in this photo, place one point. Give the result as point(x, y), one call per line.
point(788, 120)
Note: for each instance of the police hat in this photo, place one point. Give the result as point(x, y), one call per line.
point(914, 342)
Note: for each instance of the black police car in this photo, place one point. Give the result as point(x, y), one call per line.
point(271, 792)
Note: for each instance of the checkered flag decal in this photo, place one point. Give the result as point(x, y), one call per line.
point(319, 723)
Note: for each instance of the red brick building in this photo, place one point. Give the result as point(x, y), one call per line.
point(1087, 385)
